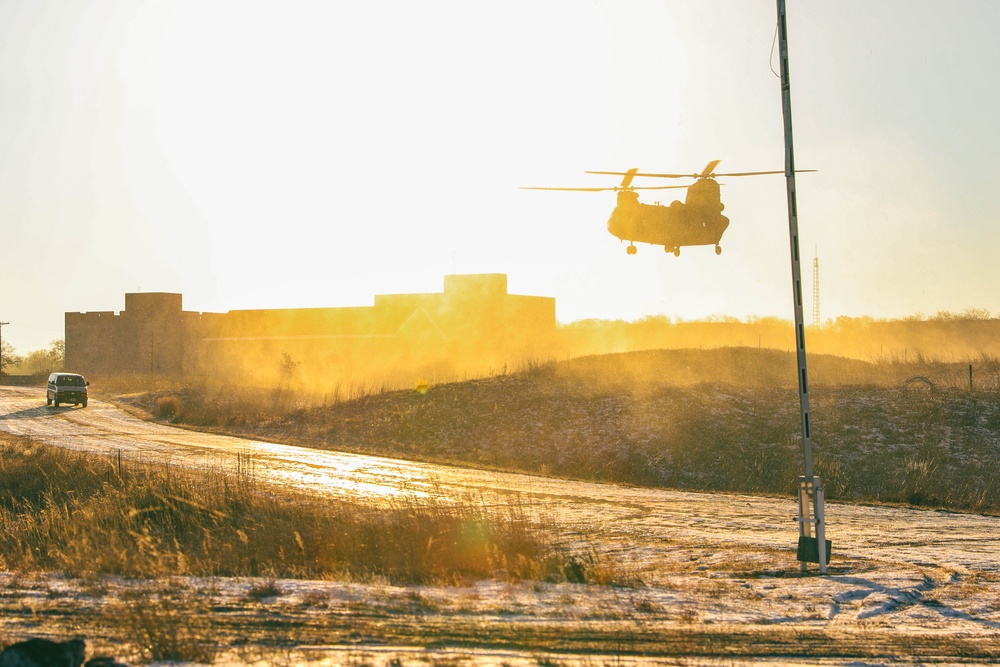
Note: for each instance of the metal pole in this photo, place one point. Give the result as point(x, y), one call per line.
point(812, 484)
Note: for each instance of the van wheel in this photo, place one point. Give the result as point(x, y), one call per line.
point(84, 404)
point(48, 401)
point(57, 402)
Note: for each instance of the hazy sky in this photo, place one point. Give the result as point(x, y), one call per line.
point(316, 153)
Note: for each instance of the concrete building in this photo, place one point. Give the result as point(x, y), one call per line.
point(473, 326)
point(150, 336)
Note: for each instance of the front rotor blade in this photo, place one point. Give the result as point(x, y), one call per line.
point(637, 173)
point(574, 189)
point(642, 173)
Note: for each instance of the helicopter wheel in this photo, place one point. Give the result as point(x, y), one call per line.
point(677, 252)
point(718, 250)
point(631, 249)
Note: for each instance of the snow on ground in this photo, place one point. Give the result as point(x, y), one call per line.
point(720, 584)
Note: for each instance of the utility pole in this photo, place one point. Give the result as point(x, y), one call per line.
point(809, 484)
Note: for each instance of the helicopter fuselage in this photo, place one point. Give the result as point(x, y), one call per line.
point(696, 221)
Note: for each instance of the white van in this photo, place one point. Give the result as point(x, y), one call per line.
point(66, 388)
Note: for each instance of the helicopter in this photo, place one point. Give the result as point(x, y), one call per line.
point(696, 221)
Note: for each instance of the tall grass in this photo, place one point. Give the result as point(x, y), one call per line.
point(68, 511)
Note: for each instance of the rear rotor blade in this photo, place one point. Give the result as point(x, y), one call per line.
point(741, 173)
point(627, 180)
point(762, 173)
point(709, 168)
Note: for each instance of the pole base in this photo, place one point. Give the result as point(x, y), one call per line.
point(808, 551)
point(812, 529)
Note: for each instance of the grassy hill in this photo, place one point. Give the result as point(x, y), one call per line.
point(722, 419)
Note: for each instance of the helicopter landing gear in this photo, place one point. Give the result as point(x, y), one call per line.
point(718, 250)
point(631, 249)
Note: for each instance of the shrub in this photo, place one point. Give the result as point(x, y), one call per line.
point(168, 407)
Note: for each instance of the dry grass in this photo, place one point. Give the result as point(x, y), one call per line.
point(166, 627)
point(66, 511)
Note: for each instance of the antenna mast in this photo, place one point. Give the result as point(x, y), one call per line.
point(816, 319)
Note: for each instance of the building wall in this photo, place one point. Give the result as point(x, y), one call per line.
point(473, 326)
point(92, 342)
point(147, 337)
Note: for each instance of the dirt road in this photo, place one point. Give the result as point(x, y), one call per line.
point(708, 560)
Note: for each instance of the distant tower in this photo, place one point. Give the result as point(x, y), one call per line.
point(816, 291)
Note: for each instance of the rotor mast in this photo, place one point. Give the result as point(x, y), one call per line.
point(809, 484)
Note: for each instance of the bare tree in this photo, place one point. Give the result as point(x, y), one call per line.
point(288, 367)
point(8, 358)
point(43, 362)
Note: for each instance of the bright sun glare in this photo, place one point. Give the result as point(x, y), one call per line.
point(253, 155)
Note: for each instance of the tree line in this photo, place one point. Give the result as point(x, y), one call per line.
point(39, 362)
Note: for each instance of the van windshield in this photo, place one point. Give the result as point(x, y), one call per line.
point(70, 381)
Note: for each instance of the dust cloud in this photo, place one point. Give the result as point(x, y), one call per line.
point(944, 336)
point(475, 328)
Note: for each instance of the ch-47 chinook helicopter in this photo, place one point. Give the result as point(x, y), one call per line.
point(696, 221)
